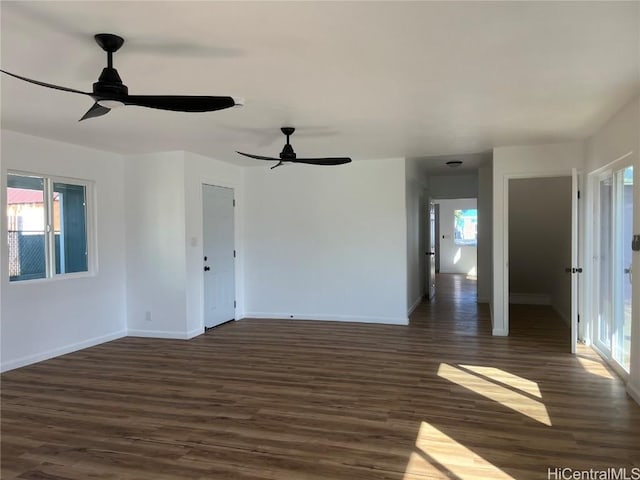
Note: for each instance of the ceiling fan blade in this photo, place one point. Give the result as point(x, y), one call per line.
point(96, 110)
point(279, 164)
point(42, 84)
point(322, 161)
point(179, 103)
point(259, 157)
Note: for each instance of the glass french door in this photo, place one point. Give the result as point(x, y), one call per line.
point(613, 214)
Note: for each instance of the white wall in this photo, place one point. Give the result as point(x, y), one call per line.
point(455, 258)
point(513, 162)
point(416, 218)
point(155, 232)
point(453, 186)
point(619, 136)
point(164, 240)
point(201, 170)
point(485, 233)
point(327, 243)
point(540, 242)
point(616, 138)
point(45, 318)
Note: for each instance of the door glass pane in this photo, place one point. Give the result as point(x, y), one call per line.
point(623, 231)
point(70, 227)
point(604, 252)
point(26, 227)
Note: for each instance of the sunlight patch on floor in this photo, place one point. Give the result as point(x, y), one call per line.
point(506, 378)
point(472, 274)
point(493, 390)
point(438, 455)
point(594, 367)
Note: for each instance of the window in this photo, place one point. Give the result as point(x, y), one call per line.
point(46, 226)
point(465, 230)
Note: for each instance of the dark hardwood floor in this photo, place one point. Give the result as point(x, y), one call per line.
point(286, 399)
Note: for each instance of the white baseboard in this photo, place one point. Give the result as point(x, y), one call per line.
point(414, 306)
point(163, 334)
point(530, 298)
point(330, 318)
point(195, 333)
point(634, 392)
point(499, 332)
point(56, 352)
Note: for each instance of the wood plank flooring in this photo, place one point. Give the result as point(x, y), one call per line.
point(286, 399)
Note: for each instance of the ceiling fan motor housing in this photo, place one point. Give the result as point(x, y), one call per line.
point(109, 83)
point(287, 153)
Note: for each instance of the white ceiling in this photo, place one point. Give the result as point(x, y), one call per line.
point(364, 79)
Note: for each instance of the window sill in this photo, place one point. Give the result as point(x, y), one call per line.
point(56, 278)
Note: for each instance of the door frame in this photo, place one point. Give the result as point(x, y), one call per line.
point(573, 173)
point(237, 240)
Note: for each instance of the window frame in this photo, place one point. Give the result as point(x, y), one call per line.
point(50, 256)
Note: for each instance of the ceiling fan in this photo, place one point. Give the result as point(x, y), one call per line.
point(109, 91)
point(288, 155)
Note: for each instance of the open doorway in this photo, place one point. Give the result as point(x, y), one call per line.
point(453, 251)
point(540, 250)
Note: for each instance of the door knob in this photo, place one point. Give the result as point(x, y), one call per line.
point(207, 268)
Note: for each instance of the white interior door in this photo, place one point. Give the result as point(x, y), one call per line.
point(219, 255)
point(431, 253)
point(437, 237)
point(574, 260)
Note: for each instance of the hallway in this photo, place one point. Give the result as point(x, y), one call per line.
point(456, 311)
point(454, 308)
